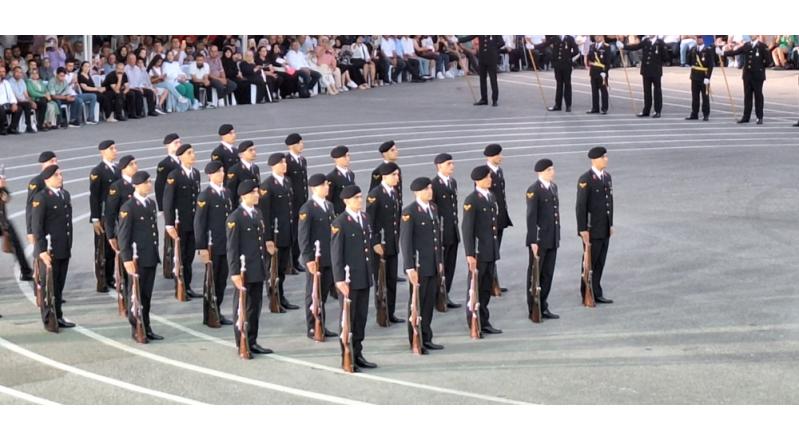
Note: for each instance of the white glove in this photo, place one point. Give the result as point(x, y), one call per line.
point(620, 45)
point(719, 52)
point(603, 75)
point(707, 81)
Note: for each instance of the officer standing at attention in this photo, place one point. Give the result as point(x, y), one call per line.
point(595, 215)
point(543, 231)
point(244, 169)
point(599, 65)
point(493, 153)
point(226, 152)
point(100, 179)
point(757, 57)
point(564, 49)
point(487, 56)
point(653, 54)
point(445, 196)
point(702, 59)
point(339, 177)
point(297, 171)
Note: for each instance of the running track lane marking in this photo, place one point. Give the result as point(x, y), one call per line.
point(25, 396)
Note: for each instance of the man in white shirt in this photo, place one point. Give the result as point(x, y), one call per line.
point(27, 105)
point(8, 103)
point(309, 78)
point(137, 81)
point(200, 73)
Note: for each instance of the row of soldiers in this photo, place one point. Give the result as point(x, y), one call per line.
point(243, 227)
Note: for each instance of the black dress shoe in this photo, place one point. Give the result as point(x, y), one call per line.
point(394, 319)
point(494, 104)
point(797, 124)
point(604, 112)
point(103, 290)
point(257, 349)
point(568, 109)
point(330, 334)
point(481, 102)
point(289, 306)
point(309, 334)
point(62, 323)
point(363, 363)
point(26, 277)
point(591, 112)
point(656, 115)
point(111, 284)
point(705, 118)
point(503, 289)
point(491, 330)
point(401, 279)
point(691, 118)
point(422, 351)
point(549, 315)
point(432, 346)
point(759, 122)
point(603, 300)
point(742, 121)
point(191, 294)
point(452, 305)
point(224, 321)
point(553, 109)
point(154, 337)
point(643, 115)
point(299, 268)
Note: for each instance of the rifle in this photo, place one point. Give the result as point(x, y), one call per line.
point(209, 290)
point(180, 284)
point(316, 300)
point(416, 316)
point(274, 291)
point(347, 358)
point(169, 257)
point(118, 280)
point(37, 282)
point(136, 308)
point(4, 227)
point(99, 260)
point(50, 315)
point(535, 289)
point(587, 283)
point(242, 324)
point(380, 291)
point(441, 296)
point(476, 331)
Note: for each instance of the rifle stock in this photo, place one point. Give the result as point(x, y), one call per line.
point(209, 290)
point(180, 284)
point(476, 331)
point(274, 290)
point(243, 325)
point(416, 316)
point(50, 315)
point(37, 282)
point(442, 295)
point(347, 355)
point(118, 280)
point(99, 261)
point(316, 304)
point(587, 282)
point(169, 258)
point(535, 289)
point(8, 247)
point(140, 335)
point(380, 295)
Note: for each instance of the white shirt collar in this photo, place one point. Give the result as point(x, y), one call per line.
point(319, 201)
point(175, 158)
point(425, 206)
point(248, 209)
point(354, 215)
point(387, 187)
point(597, 172)
point(216, 188)
point(127, 178)
point(545, 183)
point(295, 156)
point(109, 164)
point(443, 177)
point(228, 146)
point(492, 166)
point(188, 171)
point(344, 171)
point(279, 178)
point(246, 164)
point(141, 199)
point(482, 191)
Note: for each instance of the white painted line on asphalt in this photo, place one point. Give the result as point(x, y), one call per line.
point(25, 396)
point(93, 376)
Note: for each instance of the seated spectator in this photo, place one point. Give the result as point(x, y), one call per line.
point(307, 77)
point(46, 71)
point(97, 67)
point(290, 83)
point(198, 71)
point(46, 108)
point(8, 104)
point(254, 75)
point(28, 105)
point(425, 48)
point(61, 91)
point(390, 60)
point(269, 72)
point(174, 73)
point(406, 50)
point(160, 94)
point(55, 54)
point(363, 63)
point(216, 74)
point(230, 65)
point(307, 44)
point(159, 79)
point(110, 64)
point(137, 84)
point(328, 66)
point(84, 100)
point(687, 42)
point(782, 49)
point(458, 62)
point(88, 87)
point(673, 45)
point(118, 91)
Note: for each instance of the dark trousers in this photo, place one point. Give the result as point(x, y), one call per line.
point(110, 258)
point(4, 110)
point(753, 90)
point(118, 101)
point(698, 89)
point(359, 312)
point(649, 83)
point(391, 280)
point(308, 78)
point(41, 110)
point(547, 270)
point(486, 271)
point(220, 272)
point(187, 249)
point(427, 302)
point(599, 251)
point(295, 243)
point(598, 88)
point(563, 86)
point(326, 285)
point(283, 257)
point(19, 252)
point(146, 283)
point(488, 70)
point(255, 292)
point(140, 95)
point(450, 261)
point(60, 269)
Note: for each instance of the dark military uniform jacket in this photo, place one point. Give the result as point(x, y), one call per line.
point(213, 210)
point(277, 208)
point(227, 157)
point(138, 223)
point(100, 179)
point(297, 172)
point(543, 215)
point(180, 194)
point(384, 213)
point(446, 199)
point(599, 59)
point(702, 63)
point(498, 189)
point(338, 180)
point(52, 215)
point(377, 179)
point(314, 224)
point(595, 204)
point(239, 173)
point(350, 245)
point(653, 55)
point(756, 58)
point(118, 193)
point(245, 236)
point(420, 236)
point(487, 47)
point(166, 166)
point(34, 186)
point(563, 49)
point(480, 215)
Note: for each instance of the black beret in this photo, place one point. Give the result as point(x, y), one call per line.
point(597, 152)
point(213, 166)
point(420, 183)
point(246, 145)
point(125, 161)
point(105, 144)
point(225, 129)
point(387, 168)
point(49, 171)
point(171, 137)
point(140, 177)
point(385, 146)
point(542, 165)
point(350, 191)
point(317, 179)
point(247, 187)
point(293, 138)
point(492, 150)
point(275, 159)
point(45, 156)
point(339, 151)
point(183, 148)
point(441, 158)
point(479, 173)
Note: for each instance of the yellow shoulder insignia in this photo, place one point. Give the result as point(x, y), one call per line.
point(371, 200)
point(94, 177)
point(303, 216)
point(32, 187)
point(170, 181)
point(530, 195)
point(35, 204)
point(406, 217)
point(160, 169)
point(200, 203)
point(263, 192)
point(377, 177)
point(231, 175)
point(334, 230)
point(583, 185)
point(467, 207)
point(112, 191)
point(123, 214)
point(231, 225)
point(215, 157)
